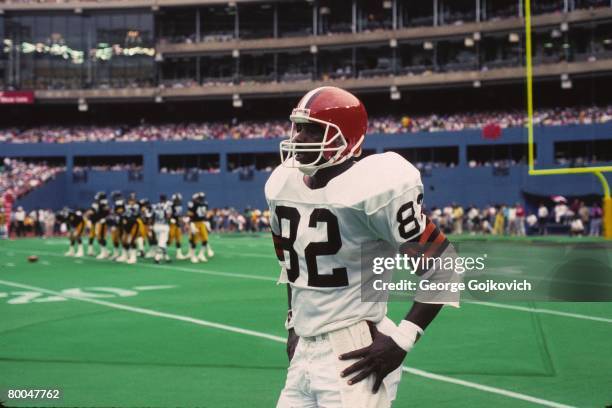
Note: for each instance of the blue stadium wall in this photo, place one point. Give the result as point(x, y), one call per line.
point(460, 184)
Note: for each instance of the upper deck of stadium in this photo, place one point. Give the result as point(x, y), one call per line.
point(141, 50)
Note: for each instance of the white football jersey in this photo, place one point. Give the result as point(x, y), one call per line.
point(162, 212)
point(319, 235)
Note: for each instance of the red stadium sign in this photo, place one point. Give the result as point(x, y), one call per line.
point(17, 97)
point(492, 131)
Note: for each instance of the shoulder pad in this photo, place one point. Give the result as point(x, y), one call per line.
point(278, 181)
point(374, 180)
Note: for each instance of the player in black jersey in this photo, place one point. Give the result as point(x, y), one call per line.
point(113, 221)
point(197, 210)
point(175, 235)
point(132, 228)
point(76, 223)
point(96, 217)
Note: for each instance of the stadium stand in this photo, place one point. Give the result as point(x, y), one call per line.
point(275, 129)
point(212, 77)
point(21, 177)
point(135, 132)
point(193, 50)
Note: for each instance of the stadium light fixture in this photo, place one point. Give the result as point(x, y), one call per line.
point(236, 101)
point(83, 107)
point(566, 82)
point(395, 94)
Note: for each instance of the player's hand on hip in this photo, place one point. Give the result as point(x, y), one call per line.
point(292, 342)
point(379, 358)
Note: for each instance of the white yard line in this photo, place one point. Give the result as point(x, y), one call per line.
point(485, 388)
point(543, 311)
point(154, 287)
point(144, 311)
point(163, 266)
point(279, 339)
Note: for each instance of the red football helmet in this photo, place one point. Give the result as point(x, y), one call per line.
point(344, 119)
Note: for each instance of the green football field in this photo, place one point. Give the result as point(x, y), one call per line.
point(212, 335)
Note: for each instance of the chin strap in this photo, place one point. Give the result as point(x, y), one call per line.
point(309, 171)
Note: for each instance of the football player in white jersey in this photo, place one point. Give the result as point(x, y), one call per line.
point(325, 207)
point(162, 212)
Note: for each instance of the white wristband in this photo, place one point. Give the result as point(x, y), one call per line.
point(406, 334)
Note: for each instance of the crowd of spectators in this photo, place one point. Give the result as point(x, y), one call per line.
point(44, 222)
point(59, 134)
point(20, 177)
point(108, 167)
point(478, 120)
point(576, 219)
point(192, 170)
point(231, 220)
point(38, 222)
point(280, 128)
point(580, 161)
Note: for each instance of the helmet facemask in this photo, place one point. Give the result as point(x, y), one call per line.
point(330, 149)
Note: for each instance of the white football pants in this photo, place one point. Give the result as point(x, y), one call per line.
point(313, 377)
point(161, 233)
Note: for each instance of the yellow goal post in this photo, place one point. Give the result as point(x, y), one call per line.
point(597, 170)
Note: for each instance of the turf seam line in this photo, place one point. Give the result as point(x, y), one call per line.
point(543, 311)
point(549, 366)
